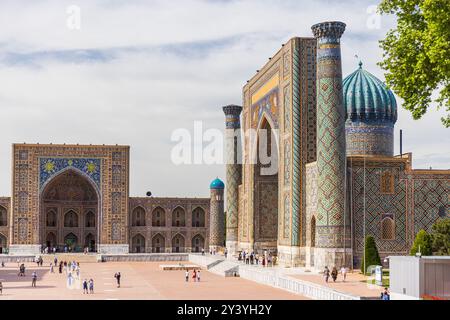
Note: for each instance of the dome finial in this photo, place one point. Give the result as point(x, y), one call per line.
point(360, 64)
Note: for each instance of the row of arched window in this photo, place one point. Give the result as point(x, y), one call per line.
point(158, 217)
point(138, 243)
point(3, 217)
point(71, 219)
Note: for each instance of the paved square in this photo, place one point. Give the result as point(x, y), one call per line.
point(140, 280)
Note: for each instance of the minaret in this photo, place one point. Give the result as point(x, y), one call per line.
point(331, 158)
point(217, 216)
point(234, 171)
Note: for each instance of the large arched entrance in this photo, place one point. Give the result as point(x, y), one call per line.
point(266, 188)
point(69, 207)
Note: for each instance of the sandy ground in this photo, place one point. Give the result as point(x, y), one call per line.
point(140, 280)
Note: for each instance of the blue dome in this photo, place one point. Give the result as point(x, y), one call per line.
point(217, 184)
point(367, 99)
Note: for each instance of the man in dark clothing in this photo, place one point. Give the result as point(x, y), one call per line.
point(117, 276)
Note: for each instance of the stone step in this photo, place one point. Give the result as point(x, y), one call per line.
point(226, 268)
point(78, 257)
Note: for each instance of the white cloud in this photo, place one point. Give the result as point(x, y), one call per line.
point(154, 66)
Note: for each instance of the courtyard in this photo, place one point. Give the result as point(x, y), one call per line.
point(140, 281)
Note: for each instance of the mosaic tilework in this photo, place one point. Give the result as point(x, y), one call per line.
point(377, 206)
point(42, 163)
point(217, 218)
point(50, 167)
point(369, 139)
point(331, 134)
point(430, 197)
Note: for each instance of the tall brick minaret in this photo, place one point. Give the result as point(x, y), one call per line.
point(331, 156)
point(234, 172)
point(216, 216)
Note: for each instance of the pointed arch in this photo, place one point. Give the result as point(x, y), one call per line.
point(313, 232)
point(3, 243)
point(179, 217)
point(89, 220)
point(198, 243)
point(51, 218)
point(71, 219)
point(198, 217)
point(50, 240)
point(3, 217)
point(387, 228)
point(138, 244)
point(158, 217)
point(138, 217)
point(178, 243)
point(158, 243)
point(71, 240)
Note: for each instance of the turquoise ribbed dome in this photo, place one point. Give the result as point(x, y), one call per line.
point(367, 99)
point(217, 184)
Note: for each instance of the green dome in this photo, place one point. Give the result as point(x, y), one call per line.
point(367, 99)
point(217, 184)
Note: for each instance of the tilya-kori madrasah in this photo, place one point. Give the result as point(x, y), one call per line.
point(337, 179)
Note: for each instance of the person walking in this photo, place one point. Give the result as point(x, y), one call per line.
point(334, 274)
point(344, 273)
point(186, 275)
point(55, 261)
point(85, 287)
point(194, 276)
point(3, 264)
point(326, 274)
point(226, 253)
point(33, 279)
point(91, 286)
point(51, 268)
point(60, 266)
point(117, 276)
point(198, 276)
point(1, 288)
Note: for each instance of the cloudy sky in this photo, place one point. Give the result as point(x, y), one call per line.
point(135, 71)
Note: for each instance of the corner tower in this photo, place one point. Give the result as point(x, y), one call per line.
point(234, 172)
point(217, 216)
point(331, 158)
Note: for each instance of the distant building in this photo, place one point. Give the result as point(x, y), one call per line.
point(77, 196)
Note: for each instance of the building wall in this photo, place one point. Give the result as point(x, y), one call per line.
point(282, 93)
point(417, 199)
point(5, 203)
point(188, 232)
point(34, 166)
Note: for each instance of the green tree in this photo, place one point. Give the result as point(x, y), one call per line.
point(416, 54)
point(372, 258)
point(441, 237)
point(422, 242)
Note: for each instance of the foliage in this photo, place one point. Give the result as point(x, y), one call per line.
point(422, 242)
point(441, 237)
point(372, 258)
point(416, 54)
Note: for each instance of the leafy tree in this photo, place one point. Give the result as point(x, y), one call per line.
point(416, 54)
point(423, 243)
point(371, 254)
point(441, 237)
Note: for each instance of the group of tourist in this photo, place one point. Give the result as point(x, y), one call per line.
point(195, 275)
point(334, 274)
point(88, 287)
point(265, 260)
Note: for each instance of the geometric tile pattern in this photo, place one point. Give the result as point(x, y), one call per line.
point(331, 135)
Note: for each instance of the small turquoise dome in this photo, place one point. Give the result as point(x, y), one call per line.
point(367, 99)
point(217, 184)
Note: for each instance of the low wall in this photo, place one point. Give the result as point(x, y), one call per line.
point(206, 261)
point(13, 258)
point(143, 257)
point(297, 286)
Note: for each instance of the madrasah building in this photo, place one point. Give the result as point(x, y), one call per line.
point(337, 179)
